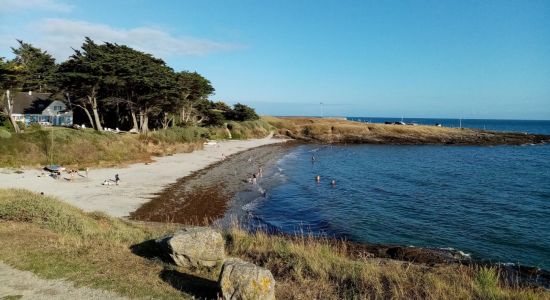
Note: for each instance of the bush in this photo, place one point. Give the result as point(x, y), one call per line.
point(241, 112)
point(214, 118)
point(4, 134)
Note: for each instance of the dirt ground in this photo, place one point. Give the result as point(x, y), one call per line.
point(16, 284)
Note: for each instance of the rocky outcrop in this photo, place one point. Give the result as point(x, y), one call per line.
point(194, 247)
point(241, 280)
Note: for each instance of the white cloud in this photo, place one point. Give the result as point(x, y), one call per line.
point(28, 5)
point(59, 36)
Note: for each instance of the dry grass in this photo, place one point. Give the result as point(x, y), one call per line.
point(56, 240)
point(343, 131)
point(249, 129)
point(84, 148)
point(312, 268)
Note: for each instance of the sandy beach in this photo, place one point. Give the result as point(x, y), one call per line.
point(139, 183)
point(207, 195)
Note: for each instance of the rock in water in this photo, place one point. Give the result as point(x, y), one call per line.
point(241, 280)
point(194, 247)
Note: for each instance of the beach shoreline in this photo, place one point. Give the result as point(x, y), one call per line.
point(209, 195)
point(139, 182)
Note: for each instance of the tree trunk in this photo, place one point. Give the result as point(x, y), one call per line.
point(134, 120)
point(10, 113)
point(165, 121)
point(143, 121)
point(98, 126)
point(145, 126)
point(88, 114)
point(92, 100)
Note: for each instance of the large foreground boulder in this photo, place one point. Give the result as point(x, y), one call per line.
point(241, 280)
point(194, 247)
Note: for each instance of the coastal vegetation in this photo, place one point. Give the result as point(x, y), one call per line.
point(114, 86)
point(56, 240)
point(325, 130)
point(80, 148)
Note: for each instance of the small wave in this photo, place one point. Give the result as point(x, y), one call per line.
point(252, 205)
point(461, 253)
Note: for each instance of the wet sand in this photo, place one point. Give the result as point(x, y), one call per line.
point(206, 195)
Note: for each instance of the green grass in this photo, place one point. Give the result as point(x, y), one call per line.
point(56, 240)
point(249, 129)
point(83, 148)
point(70, 147)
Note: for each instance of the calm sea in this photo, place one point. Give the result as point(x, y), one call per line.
point(490, 202)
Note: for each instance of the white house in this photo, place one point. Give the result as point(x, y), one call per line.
point(29, 107)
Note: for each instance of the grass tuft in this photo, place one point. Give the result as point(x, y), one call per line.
point(56, 240)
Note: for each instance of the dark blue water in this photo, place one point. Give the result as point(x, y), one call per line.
point(490, 202)
point(529, 126)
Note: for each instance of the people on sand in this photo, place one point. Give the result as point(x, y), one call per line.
point(117, 179)
point(254, 178)
point(260, 172)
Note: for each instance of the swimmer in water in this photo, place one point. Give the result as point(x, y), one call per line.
point(318, 178)
point(333, 182)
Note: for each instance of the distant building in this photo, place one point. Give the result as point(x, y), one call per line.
point(29, 107)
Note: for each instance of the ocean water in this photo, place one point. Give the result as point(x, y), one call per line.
point(490, 202)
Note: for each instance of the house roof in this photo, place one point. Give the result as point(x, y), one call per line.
point(23, 103)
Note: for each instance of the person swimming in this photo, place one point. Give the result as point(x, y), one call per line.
point(318, 178)
point(333, 182)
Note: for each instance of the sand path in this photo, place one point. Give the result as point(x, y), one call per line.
point(16, 284)
point(139, 182)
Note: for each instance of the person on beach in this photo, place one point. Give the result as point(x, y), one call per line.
point(254, 178)
point(117, 179)
point(87, 169)
point(260, 172)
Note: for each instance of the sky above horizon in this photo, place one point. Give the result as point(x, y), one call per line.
point(449, 59)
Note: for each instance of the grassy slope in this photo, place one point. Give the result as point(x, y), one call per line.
point(343, 131)
point(81, 148)
point(56, 240)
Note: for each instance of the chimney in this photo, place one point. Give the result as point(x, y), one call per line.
point(30, 93)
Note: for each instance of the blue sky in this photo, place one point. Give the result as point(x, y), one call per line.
point(471, 59)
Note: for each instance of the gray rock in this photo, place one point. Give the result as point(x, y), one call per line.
point(241, 280)
point(194, 247)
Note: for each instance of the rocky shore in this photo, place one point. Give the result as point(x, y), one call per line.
point(343, 131)
point(209, 196)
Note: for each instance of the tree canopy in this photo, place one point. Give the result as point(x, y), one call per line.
point(112, 85)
